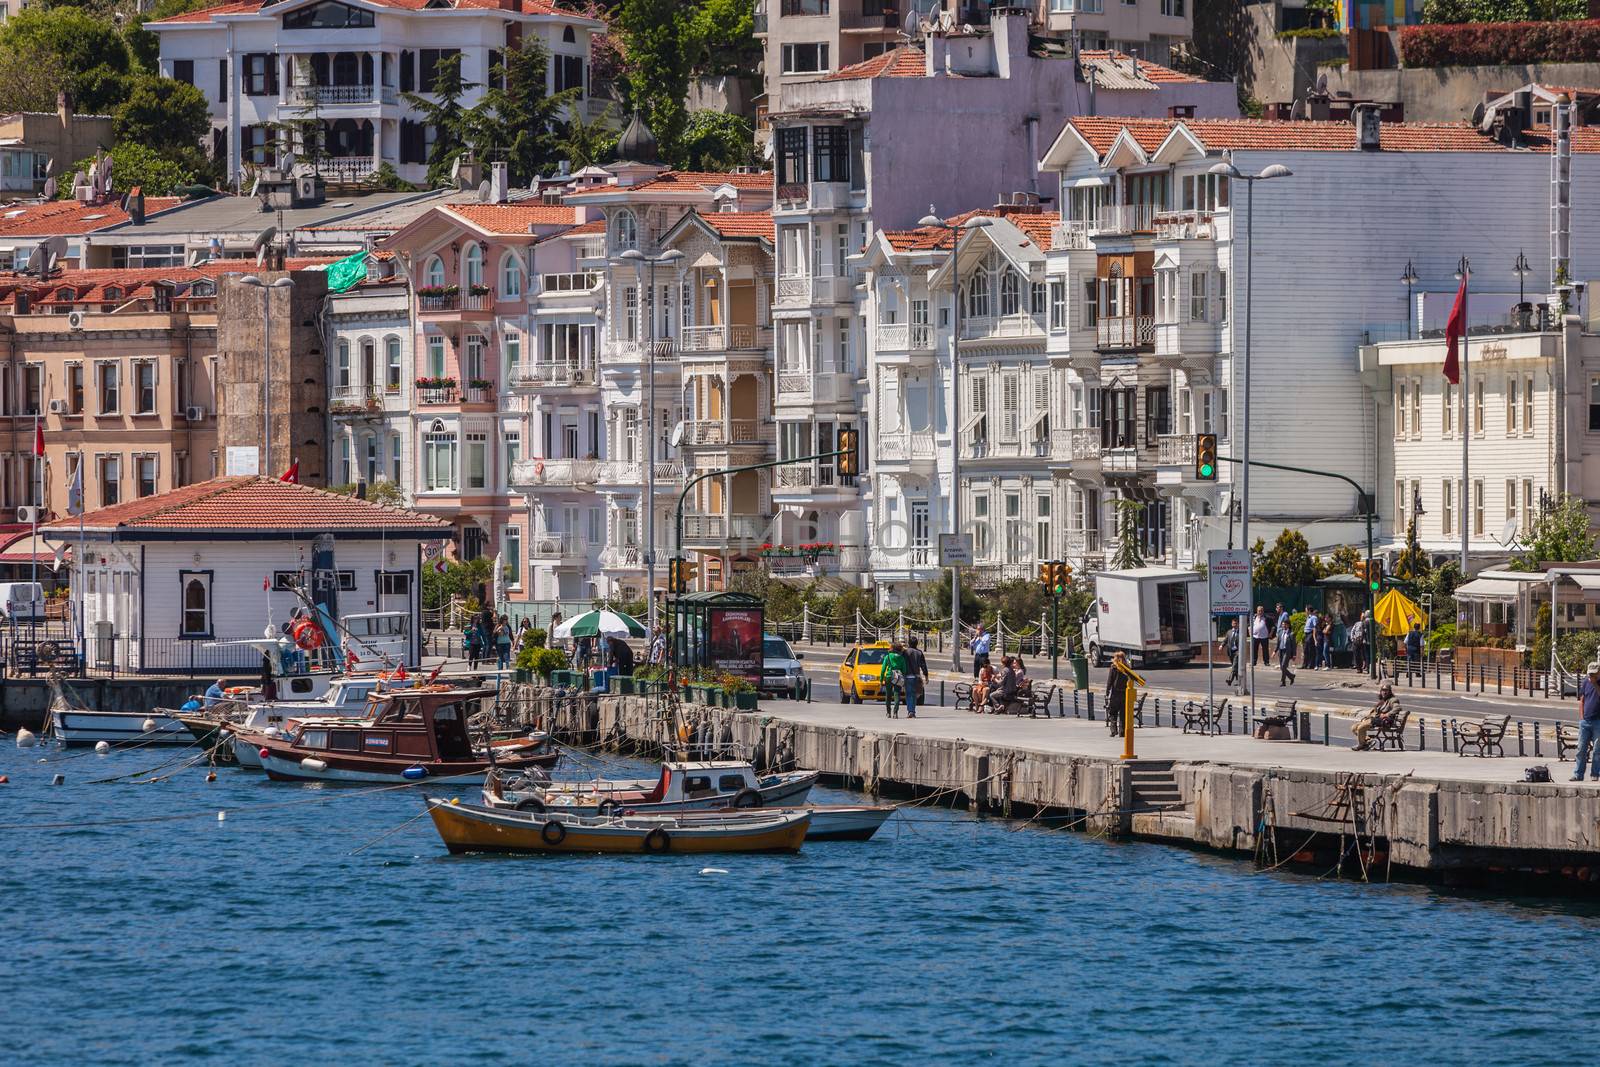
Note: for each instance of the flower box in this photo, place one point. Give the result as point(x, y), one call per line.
point(745, 701)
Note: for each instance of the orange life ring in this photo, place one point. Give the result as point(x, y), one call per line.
point(306, 634)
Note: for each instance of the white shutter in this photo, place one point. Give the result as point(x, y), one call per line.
point(1010, 406)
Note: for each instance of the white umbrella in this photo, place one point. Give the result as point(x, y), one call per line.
point(601, 623)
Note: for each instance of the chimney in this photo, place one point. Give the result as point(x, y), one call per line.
point(1180, 111)
point(64, 109)
point(499, 182)
point(1369, 127)
point(136, 205)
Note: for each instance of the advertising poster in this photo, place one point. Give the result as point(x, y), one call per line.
point(736, 642)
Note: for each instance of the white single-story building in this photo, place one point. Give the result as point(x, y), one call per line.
point(165, 578)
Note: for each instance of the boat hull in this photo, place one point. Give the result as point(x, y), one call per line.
point(118, 728)
point(788, 793)
point(467, 829)
point(829, 822)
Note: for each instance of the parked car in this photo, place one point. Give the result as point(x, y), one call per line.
point(22, 601)
point(781, 671)
point(861, 674)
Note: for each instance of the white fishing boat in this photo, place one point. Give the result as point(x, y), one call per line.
point(120, 728)
point(829, 822)
point(680, 787)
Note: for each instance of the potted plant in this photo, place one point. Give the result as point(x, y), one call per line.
point(478, 290)
point(547, 663)
point(480, 383)
point(737, 692)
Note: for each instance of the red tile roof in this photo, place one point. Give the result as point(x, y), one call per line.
point(1282, 135)
point(741, 223)
point(132, 283)
point(1151, 71)
point(529, 7)
point(703, 179)
point(902, 62)
point(513, 218)
point(71, 217)
point(1036, 225)
point(249, 504)
point(590, 227)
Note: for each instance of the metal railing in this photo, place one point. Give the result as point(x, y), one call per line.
point(719, 528)
point(1124, 218)
point(1126, 331)
point(622, 472)
point(553, 375)
point(905, 337)
point(900, 447)
point(325, 95)
point(454, 301)
point(569, 550)
point(1070, 234)
point(734, 337)
point(727, 432)
point(1175, 449)
point(1184, 225)
point(436, 395)
point(555, 472)
point(980, 326)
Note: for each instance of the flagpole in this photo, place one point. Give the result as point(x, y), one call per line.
point(38, 478)
point(1466, 426)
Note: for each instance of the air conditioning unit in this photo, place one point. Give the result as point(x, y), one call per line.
point(29, 514)
point(580, 375)
point(194, 413)
point(75, 320)
point(58, 407)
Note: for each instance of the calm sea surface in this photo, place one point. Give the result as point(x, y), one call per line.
point(263, 940)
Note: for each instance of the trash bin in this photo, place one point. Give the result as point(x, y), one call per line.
point(802, 688)
point(1080, 670)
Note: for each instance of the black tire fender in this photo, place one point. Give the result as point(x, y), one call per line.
point(608, 807)
point(747, 798)
point(533, 804)
point(657, 840)
point(553, 833)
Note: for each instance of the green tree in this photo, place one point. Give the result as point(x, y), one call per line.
point(520, 123)
point(162, 113)
point(1412, 564)
point(1343, 560)
point(90, 50)
point(1017, 602)
point(932, 601)
point(460, 579)
point(724, 36)
point(387, 179)
point(1129, 551)
point(716, 140)
point(382, 491)
point(585, 142)
point(144, 45)
point(660, 46)
point(154, 172)
point(1559, 535)
point(1288, 563)
point(29, 79)
point(446, 115)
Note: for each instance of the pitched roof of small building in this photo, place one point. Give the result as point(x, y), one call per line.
point(1036, 225)
point(514, 218)
point(741, 223)
point(72, 217)
point(903, 62)
point(1112, 70)
point(245, 7)
point(704, 179)
point(245, 505)
point(1100, 132)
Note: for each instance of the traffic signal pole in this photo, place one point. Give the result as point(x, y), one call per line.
point(1362, 496)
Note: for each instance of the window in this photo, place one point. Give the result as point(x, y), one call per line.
point(624, 231)
point(108, 381)
point(144, 383)
point(345, 475)
point(511, 276)
point(435, 356)
point(428, 65)
point(477, 460)
point(1197, 296)
point(75, 388)
point(830, 150)
point(1447, 408)
point(439, 460)
point(328, 16)
point(110, 472)
point(977, 292)
point(1058, 304)
point(1477, 407)
point(978, 407)
point(511, 555)
point(1527, 404)
point(473, 260)
point(1402, 407)
point(1203, 193)
point(373, 466)
point(394, 458)
point(569, 72)
point(980, 525)
point(1511, 500)
point(145, 469)
point(1010, 413)
point(1513, 403)
point(513, 440)
point(1446, 510)
point(792, 156)
point(1399, 504)
point(1527, 505)
point(433, 273)
point(1091, 301)
point(32, 389)
point(196, 599)
point(807, 58)
point(260, 73)
point(1477, 507)
point(392, 369)
point(1222, 296)
point(1173, 9)
point(1041, 527)
point(183, 71)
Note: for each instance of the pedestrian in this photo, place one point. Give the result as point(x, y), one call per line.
point(1260, 634)
point(502, 642)
point(585, 651)
point(1309, 632)
point(658, 646)
point(1117, 692)
point(980, 650)
point(1282, 617)
point(918, 662)
point(1589, 725)
point(621, 657)
point(1285, 654)
point(1414, 649)
point(1325, 645)
point(892, 673)
point(1230, 645)
point(1358, 643)
point(472, 638)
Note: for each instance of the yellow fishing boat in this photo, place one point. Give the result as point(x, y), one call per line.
point(468, 828)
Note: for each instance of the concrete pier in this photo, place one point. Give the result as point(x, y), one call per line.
point(1405, 811)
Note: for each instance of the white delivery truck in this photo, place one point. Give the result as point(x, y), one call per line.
point(1154, 614)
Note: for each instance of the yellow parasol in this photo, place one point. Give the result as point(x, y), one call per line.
point(1396, 613)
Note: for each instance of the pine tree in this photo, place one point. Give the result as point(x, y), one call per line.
point(446, 115)
point(520, 122)
point(1130, 553)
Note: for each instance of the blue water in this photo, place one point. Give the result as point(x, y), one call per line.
point(262, 940)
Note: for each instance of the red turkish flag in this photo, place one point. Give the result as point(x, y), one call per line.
point(38, 438)
point(1454, 330)
point(292, 474)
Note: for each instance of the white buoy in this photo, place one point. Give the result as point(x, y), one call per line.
point(222, 816)
point(26, 738)
point(313, 764)
point(102, 747)
point(149, 726)
point(713, 870)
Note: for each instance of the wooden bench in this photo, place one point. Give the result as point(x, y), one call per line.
point(1114, 717)
point(1383, 737)
point(964, 691)
point(1483, 736)
point(1279, 726)
point(1203, 719)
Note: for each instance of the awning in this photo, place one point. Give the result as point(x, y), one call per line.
point(1489, 589)
point(1589, 583)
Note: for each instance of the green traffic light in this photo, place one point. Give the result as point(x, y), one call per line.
point(1207, 470)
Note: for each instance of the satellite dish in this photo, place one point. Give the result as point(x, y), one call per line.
point(1322, 85)
point(263, 240)
point(1479, 113)
point(49, 189)
point(1508, 532)
point(483, 192)
point(288, 162)
point(676, 440)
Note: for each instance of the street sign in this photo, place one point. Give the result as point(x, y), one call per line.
point(955, 550)
point(1229, 571)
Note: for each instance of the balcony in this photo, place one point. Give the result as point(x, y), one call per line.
point(881, 20)
point(622, 558)
point(812, 289)
point(624, 472)
point(357, 401)
point(1083, 543)
point(983, 327)
point(480, 392)
point(442, 391)
point(791, 8)
point(1175, 449)
point(1185, 226)
point(1071, 234)
point(430, 302)
point(537, 377)
point(1126, 332)
point(905, 337)
point(1082, 443)
point(717, 433)
point(620, 350)
point(1196, 342)
point(1123, 220)
point(555, 473)
point(1130, 459)
point(562, 550)
point(905, 447)
point(988, 575)
point(720, 530)
point(806, 477)
point(336, 95)
point(734, 338)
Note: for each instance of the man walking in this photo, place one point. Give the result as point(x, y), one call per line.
point(1285, 654)
point(1414, 649)
point(1358, 644)
point(916, 676)
point(1589, 726)
point(1260, 634)
point(980, 650)
point(1308, 634)
point(1231, 645)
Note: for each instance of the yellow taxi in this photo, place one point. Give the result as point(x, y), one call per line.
point(861, 674)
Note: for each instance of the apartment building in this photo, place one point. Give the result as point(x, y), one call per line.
point(370, 375)
point(345, 65)
point(25, 226)
point(38, 145)
point(803, 40)
point(1157, 30)
point(1151, 257)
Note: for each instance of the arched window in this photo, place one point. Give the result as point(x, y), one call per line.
point(624, 231)
point(511, 276)
point(369, 363)
point(196, 605)
point(341, 369)
point(392, 370)
point(978, 295)
point(433, 273)
point(1010, 293)
point(569, 36)
point(472, 266)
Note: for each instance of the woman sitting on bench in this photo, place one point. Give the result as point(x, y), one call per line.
point(980, 688)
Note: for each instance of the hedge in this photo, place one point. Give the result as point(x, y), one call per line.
point(1478, 44)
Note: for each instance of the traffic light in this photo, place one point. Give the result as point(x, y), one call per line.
point(1360, 569)
point(1205, 457)
point(680, 573)
point(1375, 575)
point(1054, 576)
point(1047, 575)
point(849, 460)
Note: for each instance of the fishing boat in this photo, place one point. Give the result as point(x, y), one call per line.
point(829, 822)
point(469, 828)
point(679, 787)
point(121, 728)
point(414, 735)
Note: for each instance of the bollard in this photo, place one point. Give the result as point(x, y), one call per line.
point(1061, 703)
point(941, 692)
point(1436, 672)
point(1091, 705)
point(1326, 740)
point(1230, 718)
point(1499, 680)
point(1536, 751)
point(1303, 727)
point(1521, 751)
point(1422, 733)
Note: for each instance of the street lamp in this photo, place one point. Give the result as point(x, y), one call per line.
point(1521, 268)
point(1228, 170)
point(1409, 280)
point(976, 222)
point(640, 261)
point(255, 282)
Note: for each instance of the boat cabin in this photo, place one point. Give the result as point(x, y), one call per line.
point(412, 724)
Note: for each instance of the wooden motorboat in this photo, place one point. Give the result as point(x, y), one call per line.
point(469, 828)
point(414, 735)
point(680, 787)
